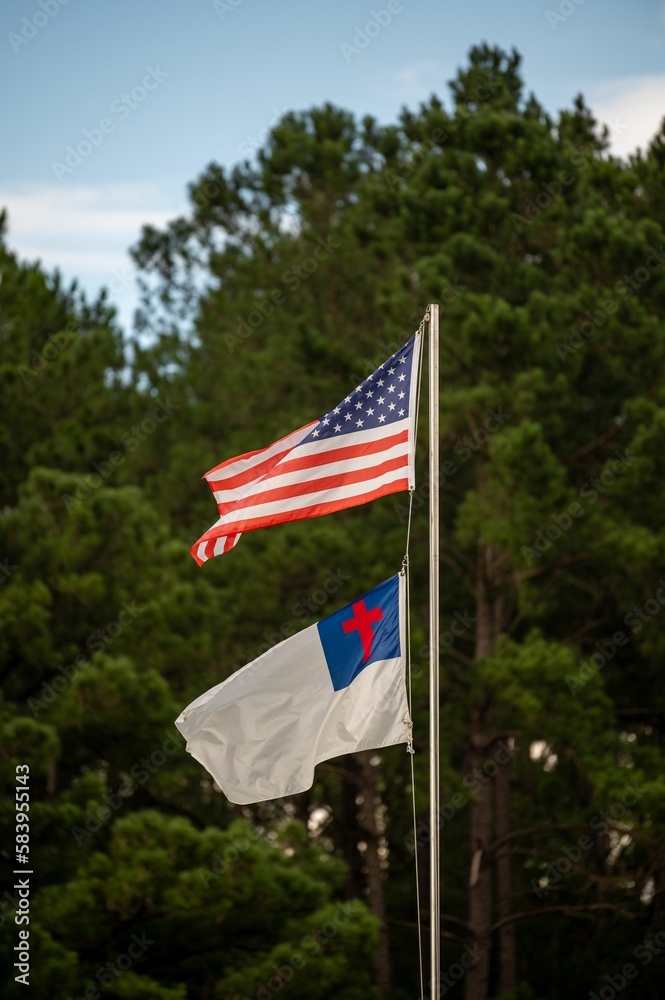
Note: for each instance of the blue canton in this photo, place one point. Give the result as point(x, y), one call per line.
point(383, 398)
point(341, 633)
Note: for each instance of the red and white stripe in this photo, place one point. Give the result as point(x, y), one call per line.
point(294, 479)
point(203, 551)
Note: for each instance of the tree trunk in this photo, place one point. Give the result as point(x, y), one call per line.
point(347, 828)
point(504, 882)
point(301, 804)
point(480, 876)
point(481, 820)
point(369, 824)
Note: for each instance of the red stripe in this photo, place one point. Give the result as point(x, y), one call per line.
point(315, 510)
point(209, 550)
point(233, 461)
point(251, 454)
point(257, 471)
point(230, 542)
point(322, 457)
point(335, 481)
point(342, 454)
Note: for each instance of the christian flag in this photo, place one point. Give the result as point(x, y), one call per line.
point(358, 451)
point(336, 687)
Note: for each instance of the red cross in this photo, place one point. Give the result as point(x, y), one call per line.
point(362, 621)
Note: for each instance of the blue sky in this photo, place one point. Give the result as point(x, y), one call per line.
point(165, 86)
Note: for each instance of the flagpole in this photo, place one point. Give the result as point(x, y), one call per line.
point(435, 904)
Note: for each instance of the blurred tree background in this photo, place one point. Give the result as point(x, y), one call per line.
point(292, 277)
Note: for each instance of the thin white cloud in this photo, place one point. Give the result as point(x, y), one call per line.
point(415, 82)
point(56, 217)
point(632, 107)
point(85, 231)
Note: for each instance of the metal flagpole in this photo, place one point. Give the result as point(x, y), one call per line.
point(435, 903)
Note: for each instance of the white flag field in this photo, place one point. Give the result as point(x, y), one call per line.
point(334, 688)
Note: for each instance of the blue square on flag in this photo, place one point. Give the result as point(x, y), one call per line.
point(362, 633)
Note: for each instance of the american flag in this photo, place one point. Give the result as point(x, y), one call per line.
point(358, 451)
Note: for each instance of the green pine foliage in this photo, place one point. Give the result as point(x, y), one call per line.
point(290, 279)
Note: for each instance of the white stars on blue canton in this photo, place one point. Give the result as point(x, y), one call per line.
point(381, 399)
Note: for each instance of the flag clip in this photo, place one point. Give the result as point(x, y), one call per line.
point(409, 725)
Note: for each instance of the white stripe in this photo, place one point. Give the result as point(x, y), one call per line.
point(311, 499)
point(413, 397)
point(277, 480)
point(243, 464)
point(218, 548)
point(352, 439)
point(316, 447)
